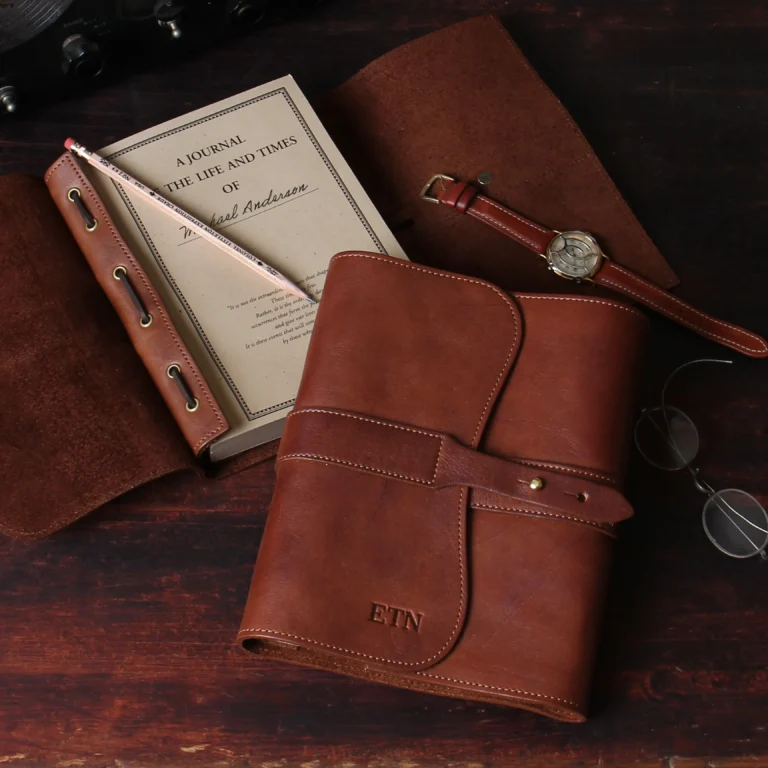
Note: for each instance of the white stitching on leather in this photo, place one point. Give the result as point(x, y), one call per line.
point(511, 232)
point(415, 430)
point(483, 284)
point(462, 498)
point(500, 688)
point(158, 308)
point(514, 215)
point(333, 460)
point(463, 494)
point(688, 323)
point(606, 527)
point(55, 166)
point(433, 272)
point(437, 435)
point(437, 462)
point(383, 673)
point(562, 468)
point(333, 647)
point(605, 303)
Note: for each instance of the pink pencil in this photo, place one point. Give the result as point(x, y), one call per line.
point(189, 221)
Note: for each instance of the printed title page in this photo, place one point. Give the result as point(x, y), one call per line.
point(261, 169)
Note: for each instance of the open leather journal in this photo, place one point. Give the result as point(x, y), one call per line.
point(261, 166)
point(99, 398)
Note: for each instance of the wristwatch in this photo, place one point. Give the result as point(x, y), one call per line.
point(576, 255)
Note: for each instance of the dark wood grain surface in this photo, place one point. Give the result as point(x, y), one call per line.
point(117, 635)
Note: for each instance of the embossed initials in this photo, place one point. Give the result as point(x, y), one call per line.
point(381, 613)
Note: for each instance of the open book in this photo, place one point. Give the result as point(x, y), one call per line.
point(261, 167)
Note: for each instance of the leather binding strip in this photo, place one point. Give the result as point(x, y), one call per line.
point(140, 308)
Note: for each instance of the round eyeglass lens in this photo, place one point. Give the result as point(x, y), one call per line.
point(666, 438)
point(736, 523)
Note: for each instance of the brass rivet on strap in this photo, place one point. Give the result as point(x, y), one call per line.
point(486, 177)
point(536, 484)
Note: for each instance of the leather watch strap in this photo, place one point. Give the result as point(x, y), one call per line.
point(622, 280)
point(467, 199)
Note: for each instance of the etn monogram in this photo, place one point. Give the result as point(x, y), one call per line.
point(410, 621)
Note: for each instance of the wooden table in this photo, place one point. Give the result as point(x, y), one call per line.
point(117, 635)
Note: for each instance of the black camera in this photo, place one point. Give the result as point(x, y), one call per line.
point(50, 48)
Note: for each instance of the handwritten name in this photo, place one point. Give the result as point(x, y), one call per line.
point(253, 206)
point(249, 207)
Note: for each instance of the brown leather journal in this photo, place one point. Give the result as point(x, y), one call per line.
point(88, 409)
point(448, 487)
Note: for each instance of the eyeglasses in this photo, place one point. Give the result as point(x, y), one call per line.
point(734, 520)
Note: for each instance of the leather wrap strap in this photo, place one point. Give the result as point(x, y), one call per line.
point(465, 198)
point(437, 460)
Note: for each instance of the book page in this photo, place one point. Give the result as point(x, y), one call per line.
point(261, 169)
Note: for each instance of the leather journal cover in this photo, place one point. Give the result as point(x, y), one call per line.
point(463, 101)
point(88, 410)
point(448, 487)
point(84, 419)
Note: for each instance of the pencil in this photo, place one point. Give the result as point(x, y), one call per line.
point(189, 221)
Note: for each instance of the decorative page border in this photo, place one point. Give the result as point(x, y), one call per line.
point(282, 91)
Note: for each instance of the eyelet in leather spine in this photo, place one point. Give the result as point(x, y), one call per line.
point(174, 372)
point(75, 196)
point(120, 274)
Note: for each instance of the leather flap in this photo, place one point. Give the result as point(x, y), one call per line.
point(379, 571)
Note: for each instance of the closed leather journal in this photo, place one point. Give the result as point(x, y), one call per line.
point(448, 487)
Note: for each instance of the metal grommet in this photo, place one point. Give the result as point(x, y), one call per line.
point(484, 178)
point(74, 195)
point(174, 372)
point(148, 322)
point(117, 271)
point(582, 496)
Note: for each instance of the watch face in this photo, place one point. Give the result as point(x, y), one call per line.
point(575, 255)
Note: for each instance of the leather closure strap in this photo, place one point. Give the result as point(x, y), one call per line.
point(466, 199)
point(437, 460)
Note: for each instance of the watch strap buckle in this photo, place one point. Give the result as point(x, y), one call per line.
point(425, 193)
